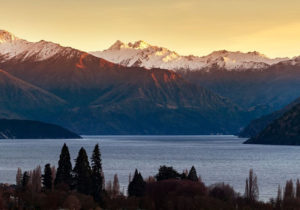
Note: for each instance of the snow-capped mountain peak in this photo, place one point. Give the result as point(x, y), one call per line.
point(117, 45)
point(5, 36)
point(13, 47)
point(142, 54)
point(240, 57)
point(139, 45)
point(138, 54)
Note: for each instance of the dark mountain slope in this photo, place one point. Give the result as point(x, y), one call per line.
point(162, 104)
point(260, 92)
point(257, 125)
point(27, 129)
point(19, 99)
point(108, 98)
point(283, 131)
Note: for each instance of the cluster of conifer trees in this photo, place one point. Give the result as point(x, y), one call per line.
point(83, 178)
point(66, 187)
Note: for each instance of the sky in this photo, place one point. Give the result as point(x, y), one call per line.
point(196, 27)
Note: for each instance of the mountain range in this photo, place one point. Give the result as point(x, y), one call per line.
point(252, 80)
point(142, 54)
point(97, 96)
point(91, 95)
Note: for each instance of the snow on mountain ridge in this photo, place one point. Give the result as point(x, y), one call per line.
point(138, 54)
point(139, 45)
point(5, 36)
point(136, 45)
point(13, 47)
point(145, 55)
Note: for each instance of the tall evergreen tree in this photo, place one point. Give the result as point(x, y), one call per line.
point(193, 175)
point(64, 170)
point(25, 179)
point(47, 177)
point(137, 186)
point(97, 173)
point(82, 173)
point(298, 189)
point(166, 172)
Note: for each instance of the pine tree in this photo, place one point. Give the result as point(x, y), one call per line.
point(166, 172)
point(97, 173)
point(63, 175)
point(103, 180)
point(25, 179)
point(47, 177)
point(193, 175)
point(82, 173)
point(298, 189)
point(137, 186)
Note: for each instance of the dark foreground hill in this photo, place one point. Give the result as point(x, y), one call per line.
point(283, 131)
point(27, 129)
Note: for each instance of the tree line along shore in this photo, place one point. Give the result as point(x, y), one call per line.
point(83, 187)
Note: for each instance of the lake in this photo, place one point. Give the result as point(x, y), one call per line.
point(216, 158)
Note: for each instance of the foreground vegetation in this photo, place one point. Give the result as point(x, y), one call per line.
point(84, 187)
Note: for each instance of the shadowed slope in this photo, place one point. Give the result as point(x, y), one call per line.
point(282, 131)
point(27, 129)
point(21, 99)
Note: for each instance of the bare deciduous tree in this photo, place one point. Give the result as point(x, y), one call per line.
point(35, 180)
point(251, 188)
point(116, 186)
point(289, 192)
point(19, 178)
point(279, 198)
point(108, 188)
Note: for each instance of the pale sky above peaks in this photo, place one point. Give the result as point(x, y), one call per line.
point(194, 27)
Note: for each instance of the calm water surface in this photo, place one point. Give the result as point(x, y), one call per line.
point(216, 158)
